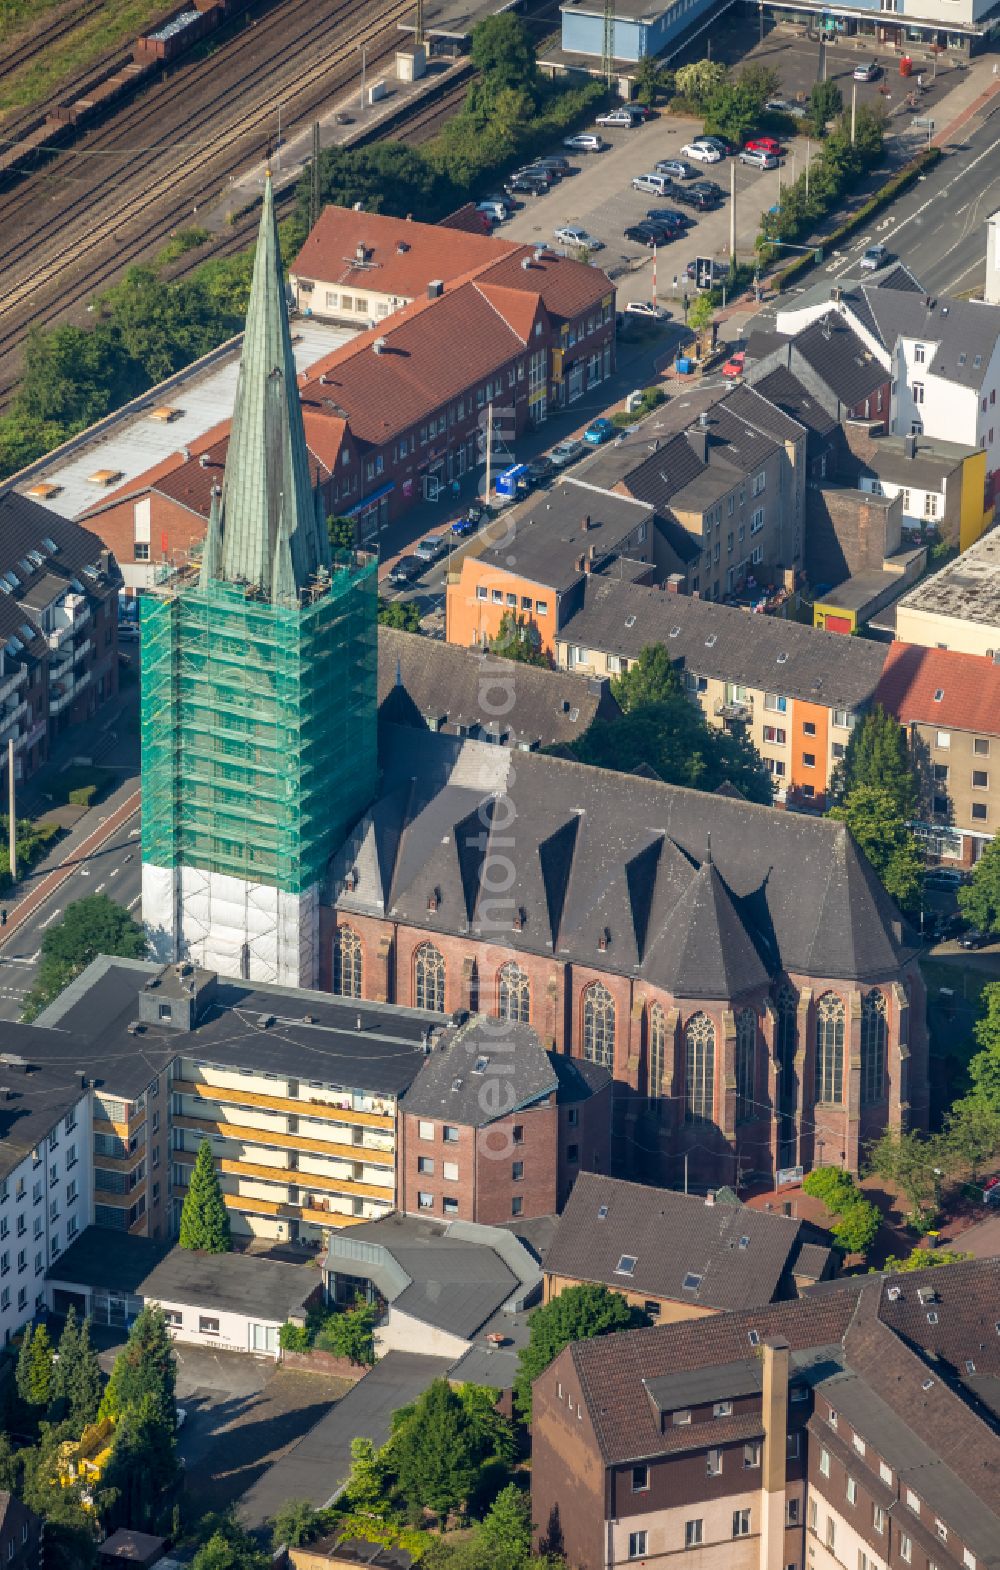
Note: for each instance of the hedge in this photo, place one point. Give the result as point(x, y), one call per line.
point(887, 193)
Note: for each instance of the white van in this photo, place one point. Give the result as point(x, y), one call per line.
point(496, 210)
point(655, 184)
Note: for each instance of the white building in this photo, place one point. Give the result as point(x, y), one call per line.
point(46, 1133)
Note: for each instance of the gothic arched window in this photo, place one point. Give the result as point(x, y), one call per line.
point(746, 1065)
point(830, 1017)
point(874, 1036)
point(599, 1025)
point(699, 1066)
point(513, 994)
point(347, 963)
point(428, 977)
point(657, 1052)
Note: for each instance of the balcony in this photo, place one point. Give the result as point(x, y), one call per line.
point(68, 689)
point(70, 616)
point(11, 718)
point(301, 1106)
point(285, 1179)
point(741, 712)
point(242, 1133)
point(10, 683)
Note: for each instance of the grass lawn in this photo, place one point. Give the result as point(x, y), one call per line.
point(117, 22)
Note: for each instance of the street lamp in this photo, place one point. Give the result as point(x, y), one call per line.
point(364, 67)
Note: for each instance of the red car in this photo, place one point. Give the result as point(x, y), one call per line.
point(734, 367)
point(764, 144)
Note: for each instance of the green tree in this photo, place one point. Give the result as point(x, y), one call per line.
point(204, 1218)
point(696, 82)
point(826, 102)
point(70, 1528)
point(872, 816)
point(91, 926)
point(503, 54)
point(351, 1334)
point(914, 1161)
point(517, 639)
point(229, 1547)
point(368, 1487)
point(699, 317)
point(979, 900)
point(404, 614)
point(386, 177)
point(144, 1366)
point(649, 679)
point(85, 1381)
point(733, 108)
point(493, 1433)
point(142, 1470)
point(922, 1259)
point(575, 1315)
point(652, 79)
point(506, 1530)
point(675, 740)
point(857, 1228)
point(298, 1522)
point(62, 1370)
point(342, 533)
point(835, 1187)
point(435, 1452)
point(10, 1466)
point(34, 1367)
point(878, 756)
point(972, 1133)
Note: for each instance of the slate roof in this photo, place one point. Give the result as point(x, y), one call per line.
point(785, 390)
point(544, 541)
point(941, 686)
point(78, 562)
point(672, 1237)
point(35, 1101)
point(963, 332)
point(932, 463)
point(721, 641)
point(428, 683)
point(602, 862)
point(480, 1071)
point(833, 350)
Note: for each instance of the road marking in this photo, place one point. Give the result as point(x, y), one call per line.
point(115, 871)
point(49, 919)
point(99, 887)
point(35, 957)
point(84, 872)
point(133, 834)
point(133, 902)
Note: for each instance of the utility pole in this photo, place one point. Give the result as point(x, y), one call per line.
point(489, 451)
point(821, 73)
point(279, 136)
point(364, 68)
point(608, 51)
point(854, 110)
point(654, 280)
point(419, 29)
point(12, 811)
point(760, 11)
point(314, 188)
point(808, 161)
point(732, 213)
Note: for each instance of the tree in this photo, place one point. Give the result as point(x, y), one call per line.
point(696, 82)
point(506, 1531)
point(733, 108)
point(298, 1522)
point(922, 1259)
point(341, 533)
point(503, 54)
point(84, 1383)
point(649, 679)
point(368, 1486)
point(873, 817)
point(69, 1525)
point(972, 1135)
point(351, 1334)
point(878, 756)
point(69, 1344)
point(826, 102)
point(142, 1470)
point(404, 614)
point(435, 1452)
point(144, 1366)
point(517, 639)
point(915, 1162)
point(34, 1367)
point(835, 1187)
point(651, 79)
point(10, 1466)
point(575, 1315)
point(702, 311)
point(857, 1228)
point(229, 1547)
point(980, 899)
point(493, 1433)
point(675, 740)
point(204, 1218)
point(91, 926)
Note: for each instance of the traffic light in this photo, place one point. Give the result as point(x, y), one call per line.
point(3, 916)
point(703, 270)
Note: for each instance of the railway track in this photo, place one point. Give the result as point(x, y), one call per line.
point(111, 227)
point(22, 54)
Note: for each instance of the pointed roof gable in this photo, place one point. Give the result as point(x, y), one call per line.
point(855, 917)
point(272, 534)
point(708, 952)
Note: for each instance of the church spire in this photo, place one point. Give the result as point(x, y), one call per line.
point(268, 530)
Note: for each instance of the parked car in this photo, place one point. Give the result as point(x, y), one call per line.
point(572, 234)
point(464, 526)
point(620, 116)
point(529, 184)
point(430, 548)
point(534, 171)
point(567, 452)
point(585, 142)
point(651, 234)
point(406, 569)
point(786, 106)
point(944, 878)
point(757, 158)
point(701, 201)
point(710, 187)
point(701, 153)
point(675, 167)
point(646, 308)
point(972, 938)
point(599, 431)
point(875, 257)
point(644, 112)
point(668, 218)
point(540, 469)
point(867, 72)
point(557, 163)
point(655, 184)
point(722, 147)
point(734, 366)
point(764, 144)
point(493, 208)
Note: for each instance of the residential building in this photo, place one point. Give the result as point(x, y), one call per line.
point(533, 564)
point(46, 1190)
point(444, 1290)
point(752, 989)
point(468, 692)
point(942, 355)
point(20, 1534)
point(858, 557)
point(494, 1128)
point(829, 362)
point(949, 704)
point(828, 1431)
point(797, 692)
point(726, 472)
point(678, 1256)
point(359, 267)
point(959, 606)
point(58, 628)
point(940, 483)
point(239, 661)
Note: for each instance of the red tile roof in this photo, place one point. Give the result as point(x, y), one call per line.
point(968, 684)
point(566, 287)
point(401, 257)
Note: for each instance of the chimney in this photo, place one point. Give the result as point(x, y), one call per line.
point(703, 419)
point(588, 564)
point(435, 289)
point(203, 460)
point(580, 563)
point(592, 552)
point(379, 346)
point(774, 1415)
point(361, 253)
point(586, 522)
point(910, 446)
point(675, 583)
point(710, 1197)
point(698, 438)
point(835, 294)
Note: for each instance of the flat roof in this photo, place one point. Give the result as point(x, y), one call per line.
point(968, 588)
point(628, 10)
point(108, 1261)
point(234, 1283)
point(456, 18)
point(137, 437)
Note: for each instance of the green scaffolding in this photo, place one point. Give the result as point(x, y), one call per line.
point(258, 726)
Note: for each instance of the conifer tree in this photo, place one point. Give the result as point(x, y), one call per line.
point(436, 1451)
point(83, 1388)
point(144, 1366)
point(34, 1367)
point(204, 1219)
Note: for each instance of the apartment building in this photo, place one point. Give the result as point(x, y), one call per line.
point(534, 563)
point(941, 484)
point(957, 608)
point(832, 1431)
point(58, 628)
point(949, 704)
point(797, 691)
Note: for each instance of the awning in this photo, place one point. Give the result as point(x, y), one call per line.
point(366, 501)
